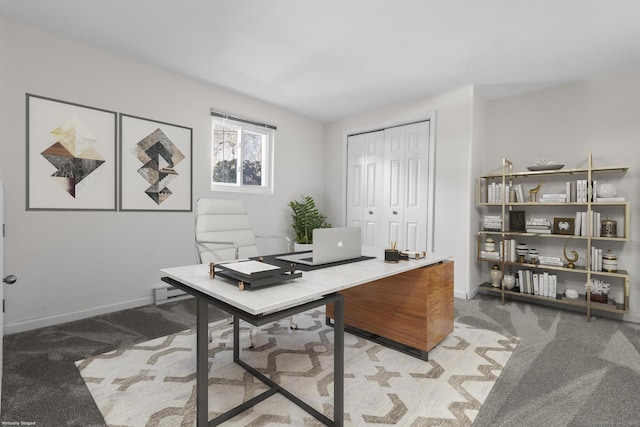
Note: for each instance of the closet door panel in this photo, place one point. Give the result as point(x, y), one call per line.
point(416, 188)
point(355, 181)
point(394, 185)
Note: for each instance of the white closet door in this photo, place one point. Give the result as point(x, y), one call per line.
point(365, 153)
point(394, 183)
point(388, 184)
point(355, 180)
point(416, 186)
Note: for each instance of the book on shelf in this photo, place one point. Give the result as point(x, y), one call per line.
point(519, 193)
point(609, 199)
point(540, 284)
point(570, 191)
point(585, 220)
point(492, 223)
point(538, 230)
point(549, 260)
point(490, 255)
point(596, 259)
point(538, 221)
point(553, 198)
point(538, 225)
point(581, 191)
point(510, 250)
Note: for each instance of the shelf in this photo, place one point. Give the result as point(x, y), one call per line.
point(490, 231)
point(546, 235)
point(611, 239)
point(576, 171)
point(578, 269)
point(560, 299)
point(487, 185)
point(619, 273)
point(538, 204)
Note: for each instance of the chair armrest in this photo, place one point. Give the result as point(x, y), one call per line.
point(234, 244)
point(277, 237)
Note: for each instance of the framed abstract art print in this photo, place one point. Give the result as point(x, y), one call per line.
point(155, 165)
point(71, 156)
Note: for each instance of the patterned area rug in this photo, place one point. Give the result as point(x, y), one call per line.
point(153, 383)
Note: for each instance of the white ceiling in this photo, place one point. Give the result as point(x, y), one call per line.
point(329, 59)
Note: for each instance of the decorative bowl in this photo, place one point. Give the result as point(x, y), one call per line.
point(548, 167)
point(606, 190)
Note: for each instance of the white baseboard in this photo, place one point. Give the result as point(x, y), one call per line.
point(28, 325)
point(460, 294)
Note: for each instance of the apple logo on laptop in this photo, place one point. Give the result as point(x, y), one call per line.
point(340, 244)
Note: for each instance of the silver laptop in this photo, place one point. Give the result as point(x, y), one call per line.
point(330, 245)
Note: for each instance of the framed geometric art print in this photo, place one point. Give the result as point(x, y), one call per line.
point(155, 165)
point(71, 156)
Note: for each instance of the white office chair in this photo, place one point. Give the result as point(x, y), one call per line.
point(223, 232)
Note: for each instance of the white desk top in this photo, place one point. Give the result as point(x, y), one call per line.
point(311, 286)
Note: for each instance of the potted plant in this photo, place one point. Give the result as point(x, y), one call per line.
point(305, 217)
point(599, 290)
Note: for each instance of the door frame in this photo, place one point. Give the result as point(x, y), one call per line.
point(1, 286)
point(431, 186)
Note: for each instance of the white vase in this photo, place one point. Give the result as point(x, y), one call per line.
point(496, 276)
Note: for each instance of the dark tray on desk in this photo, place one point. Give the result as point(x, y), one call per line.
point(256, 279)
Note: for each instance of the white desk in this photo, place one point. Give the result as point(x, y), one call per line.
point(264, 305)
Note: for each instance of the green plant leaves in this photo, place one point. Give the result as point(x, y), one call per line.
point(305, 217)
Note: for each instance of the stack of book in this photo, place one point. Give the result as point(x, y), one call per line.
point(609, 199)
point(596, 259)
point(494, 192)
point(538, 225)
point(540, 284)
point(584, 219)
point(554, 198)
point(519, 193)
point(492, 223)
point(581, 191)
point(510, 250)
point(550, 260)
point(490, 255)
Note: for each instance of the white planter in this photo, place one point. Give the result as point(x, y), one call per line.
point(302, 247)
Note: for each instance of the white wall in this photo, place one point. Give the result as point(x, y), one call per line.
point(563, 124)
point(453, 180)
point(477, 166)
point(77, 264)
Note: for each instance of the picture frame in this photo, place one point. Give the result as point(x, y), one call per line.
point(563, 225)
point(71, 161)
point(517, 221)
point(155, 165)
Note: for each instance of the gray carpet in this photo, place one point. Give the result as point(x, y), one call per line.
point(565, 371)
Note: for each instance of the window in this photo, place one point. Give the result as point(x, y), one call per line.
point(241, 155)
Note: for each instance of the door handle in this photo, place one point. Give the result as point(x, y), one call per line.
point(370, 212)
point(10, 279)
point(395, 212)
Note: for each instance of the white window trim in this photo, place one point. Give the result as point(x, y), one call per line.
point(267, 154)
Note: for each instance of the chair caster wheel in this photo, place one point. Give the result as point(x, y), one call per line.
point(294, 326)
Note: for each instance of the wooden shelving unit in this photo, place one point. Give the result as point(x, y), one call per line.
point(508, 178)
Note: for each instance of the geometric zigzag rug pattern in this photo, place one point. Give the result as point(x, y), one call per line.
point(153, 383)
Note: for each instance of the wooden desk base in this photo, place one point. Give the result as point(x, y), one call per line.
point(414, 308)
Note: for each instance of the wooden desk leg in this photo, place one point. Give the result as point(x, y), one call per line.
point(338, 363)
point(202, 363)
